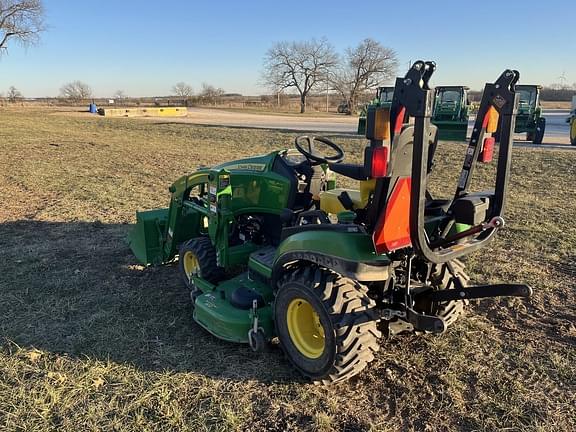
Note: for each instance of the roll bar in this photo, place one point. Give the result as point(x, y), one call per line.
point(414, 98)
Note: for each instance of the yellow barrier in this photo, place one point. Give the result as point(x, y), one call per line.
point(143, 112)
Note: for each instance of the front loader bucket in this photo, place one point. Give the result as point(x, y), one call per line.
point(451, 130)
point(147, 236)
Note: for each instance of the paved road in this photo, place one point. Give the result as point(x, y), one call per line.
point(339, 124)
point(556, 123)
point(557, 130)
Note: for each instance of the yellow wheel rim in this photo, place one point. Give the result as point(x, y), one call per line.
point(573, 130)
point(305, 328)
point(191, 264)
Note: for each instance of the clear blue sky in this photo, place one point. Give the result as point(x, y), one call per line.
point(145, 47)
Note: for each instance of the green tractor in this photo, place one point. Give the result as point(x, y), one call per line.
point(450, 113)
point(383, 99)
point(572, 122)
point(270, 249)
point(529, 119)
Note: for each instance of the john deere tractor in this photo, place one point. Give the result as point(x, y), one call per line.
point(383, 99)
point(572, 122)
point(529, 119)
point(450, 114)
point(270, 249)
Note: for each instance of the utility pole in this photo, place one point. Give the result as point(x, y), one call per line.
point(562, 79)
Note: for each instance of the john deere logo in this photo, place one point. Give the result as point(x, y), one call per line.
point(246, 167)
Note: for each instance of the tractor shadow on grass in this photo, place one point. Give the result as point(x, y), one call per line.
point(75, 288)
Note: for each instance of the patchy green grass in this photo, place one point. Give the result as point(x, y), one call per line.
point(89, 340)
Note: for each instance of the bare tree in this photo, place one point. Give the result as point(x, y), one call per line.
point(120, 95)
point(210, 94)
point(182, 89)
point(364, 68)
point(21, 21)
point(300, 65)
point(76, 91)
point(13, 94)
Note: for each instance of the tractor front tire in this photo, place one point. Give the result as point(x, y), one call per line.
point(197, 257)
point(326, 324)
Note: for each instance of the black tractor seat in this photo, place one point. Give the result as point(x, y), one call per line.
point(353, 171)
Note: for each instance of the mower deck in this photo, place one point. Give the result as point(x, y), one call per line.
point(228, 311)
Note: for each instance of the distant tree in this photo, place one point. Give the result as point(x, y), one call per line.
point(364, 68)
point(120, 94)
point(76, 91)
point(182, 89)
point(556, 94)
point(210, 94)
point(304, 66)
point(13, 94)
point(21, 21)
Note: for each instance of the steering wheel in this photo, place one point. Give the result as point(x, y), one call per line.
point(308, 141)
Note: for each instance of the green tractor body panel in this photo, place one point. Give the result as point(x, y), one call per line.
point(450, 113)
point(383, 99)
point(216, 311)
point(256, 186)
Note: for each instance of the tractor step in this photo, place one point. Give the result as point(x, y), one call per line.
point(262, 261)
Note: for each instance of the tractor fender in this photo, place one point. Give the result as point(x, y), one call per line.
point(349, 254)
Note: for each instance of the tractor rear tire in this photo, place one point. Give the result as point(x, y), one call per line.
point(197, 257)
point(450, 275)
point(539, 130)
point(326, 324)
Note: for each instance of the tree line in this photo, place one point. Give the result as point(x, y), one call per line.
point(314, 65)
point(79, 91)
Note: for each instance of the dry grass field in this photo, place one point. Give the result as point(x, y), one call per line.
point(90, 340)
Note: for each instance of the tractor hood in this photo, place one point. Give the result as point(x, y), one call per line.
point(254, 164)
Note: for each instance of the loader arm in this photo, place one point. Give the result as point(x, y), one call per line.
point(157, 233)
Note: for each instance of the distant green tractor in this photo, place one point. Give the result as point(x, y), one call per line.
point(450, 113)
point(572, 121)
point(529, 119)
point(383, 99)
point(269, 248)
